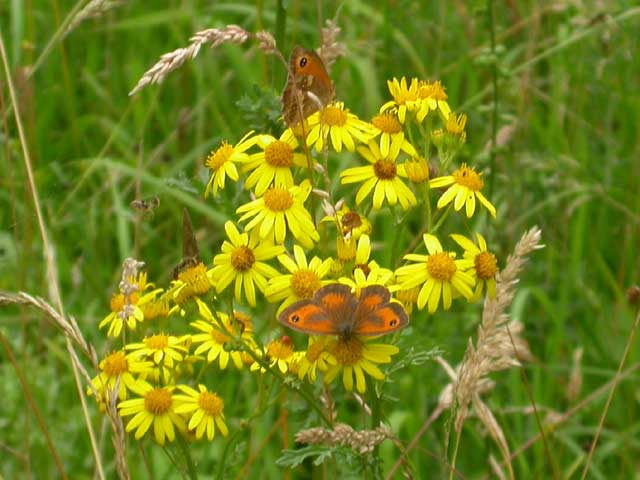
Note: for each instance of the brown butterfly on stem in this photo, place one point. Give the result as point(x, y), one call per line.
point(334, 310)
point(308, 87)
point(190, 250)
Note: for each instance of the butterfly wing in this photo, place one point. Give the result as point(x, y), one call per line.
point(308, 86)
point(329, 312)
point(376, 314)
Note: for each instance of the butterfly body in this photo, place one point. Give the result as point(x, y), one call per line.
point(334, 310)
point(308, 87)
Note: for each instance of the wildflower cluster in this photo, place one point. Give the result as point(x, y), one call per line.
point(166, 371)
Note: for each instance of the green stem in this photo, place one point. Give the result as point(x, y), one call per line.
point(184, 449)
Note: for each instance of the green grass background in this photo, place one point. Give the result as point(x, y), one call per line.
point(567, 91)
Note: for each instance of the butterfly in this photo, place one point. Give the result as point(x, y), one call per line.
point(190, 250)
point(334, 310)
point(308, 87)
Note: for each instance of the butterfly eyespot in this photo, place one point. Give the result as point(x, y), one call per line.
point(303, 62)
point(393, 323)
point(295, 318)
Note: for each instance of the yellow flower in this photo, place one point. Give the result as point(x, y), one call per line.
point(391, 134)
point(118, 365)
point(408, 298)
point(222, 162)
point(355, 357)
point(302, 281)
point(242, 259)
point(161, 348)
point(191, 281)
point(126, 306)
point(341, 125)
point(434, 97)
point(417, 170)
point(279, 353)
point(438, 273)
point(280, 209)
point(273, 164)
point(405, 98)
point(205, 409)
point(382, 177)
point(366, 272)
point(156, 406)
point(217, 331)
point(485, 265)
point(351, 223)
point(466, 184)
point(158, 307)
point(315, 358)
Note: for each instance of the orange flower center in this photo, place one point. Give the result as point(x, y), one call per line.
point(278, 199)
point(218, 158)
point(333, 116)
point(220, 337)
point(115, 364)
point(387, 123)
point(441, 266)
point(158, 401)
point(385, 169)
point(315, 350)
point(242, 258)
point(304, 283)
point(211, 403)
point(280, 349)
point(157, 342)
point(468, 177)
point(486, 265)
point(348, 351)
point(433, 90)
point(279, 154)
point(117, 302)
point(196, 277)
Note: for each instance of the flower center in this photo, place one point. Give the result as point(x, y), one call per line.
point(441, 266)
point(117, 302)
point(334, 116)
point(218, 158)
point(196, 277)
point(157, 342)
point(279, 154)
point(278, 199)
point(387, 123)
point(455, 124)
point(158, 401)
point(211, 403)
point(242, 258)
point(433, 90)
point(348, 351)
point(219, 337)
point(315, 350)
point(115, 364)
point(304, 283)
point(417, 170)
point(486, 265)
point(385, 169)
point(280, 349)
point(468, 177)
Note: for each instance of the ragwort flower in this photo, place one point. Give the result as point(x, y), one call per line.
point(438, 273)
point(115, 365)
point(485, 265)
point(341, 125)
point(243, 260)
point(278, 210)
point(222, 162)
point(465, 187)
point(382, 177)
point(205, 410)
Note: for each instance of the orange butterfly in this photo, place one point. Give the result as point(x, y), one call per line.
point(308, 87)
point(334, 310)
